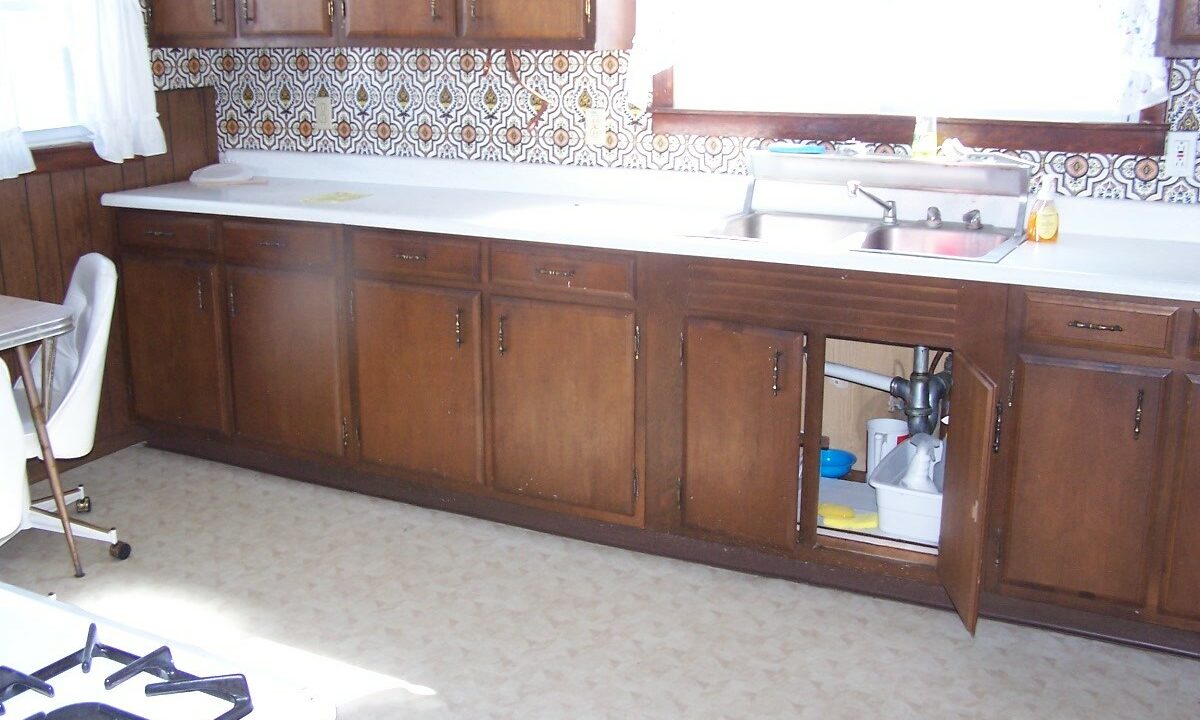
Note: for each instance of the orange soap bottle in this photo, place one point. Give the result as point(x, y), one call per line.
point(1042, 223)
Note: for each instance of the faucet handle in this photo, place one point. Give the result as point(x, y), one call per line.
point(973, 220)
point(933, 217)
point(852, 187)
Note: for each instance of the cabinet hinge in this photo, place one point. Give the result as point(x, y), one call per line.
point(679, 493)
point(345, 432)
point(996, 429)
point(1012, 382)
point(999, 545)
point(680, 348)
point(232, 304)
point(352, 304)
point(637, 341)
point(635, 484)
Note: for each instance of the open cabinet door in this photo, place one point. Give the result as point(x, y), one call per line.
point(969, 459)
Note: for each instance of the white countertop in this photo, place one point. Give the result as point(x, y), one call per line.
point(1124, 247)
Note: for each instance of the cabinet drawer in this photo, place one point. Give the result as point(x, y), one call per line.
point(416, 255)
point(1111, 324)
point(278, 243)
point(605, 275)
point(164, 230)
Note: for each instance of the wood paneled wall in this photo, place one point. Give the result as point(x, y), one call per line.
point(50, 217)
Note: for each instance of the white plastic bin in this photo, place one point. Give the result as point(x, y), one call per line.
point(903, 513)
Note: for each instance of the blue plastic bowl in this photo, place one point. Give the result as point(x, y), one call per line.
point(836, 463)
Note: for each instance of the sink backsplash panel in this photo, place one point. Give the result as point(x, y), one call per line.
point(460, 104)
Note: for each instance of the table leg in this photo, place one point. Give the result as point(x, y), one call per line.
point(39, 425)
point(48, 347)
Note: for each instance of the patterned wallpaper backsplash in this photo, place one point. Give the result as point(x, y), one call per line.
point(461, 104)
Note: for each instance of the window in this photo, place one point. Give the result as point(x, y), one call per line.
point(32, 38)
point(877, 63)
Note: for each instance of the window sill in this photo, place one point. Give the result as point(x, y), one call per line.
point(1146, 139)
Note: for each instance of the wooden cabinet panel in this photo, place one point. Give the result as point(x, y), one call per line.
point(575, 271)
point(531, 20)
point(417, 256)
point(1195, 345)
point(168, 231)
point(374, 22)
point(280, 244)
point(309, 19)
point(181, 21)
point(1181, 581)
point(176, 353)
point(1083, 481)
point(563, 403)
point(419, 378)
point(286, 367)
point(1100, 323)
point(743, 396)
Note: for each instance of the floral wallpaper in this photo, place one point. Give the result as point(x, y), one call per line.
point(461, 103)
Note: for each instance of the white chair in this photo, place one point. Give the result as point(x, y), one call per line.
point(78, 371)
point(14, 486)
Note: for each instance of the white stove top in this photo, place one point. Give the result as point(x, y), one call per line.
point(36, 631)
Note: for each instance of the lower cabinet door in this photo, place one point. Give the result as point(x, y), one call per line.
point(744, 398)
point(287, 379)
point(176, 355)
point(419, 378)
point(1084, 479)
point(563, 405)
point(1181, 581)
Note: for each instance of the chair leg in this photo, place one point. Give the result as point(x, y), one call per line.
point(46, 520)
point(39, 425)
point(69, 496)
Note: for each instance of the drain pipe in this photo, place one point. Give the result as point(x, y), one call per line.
point(858, 376)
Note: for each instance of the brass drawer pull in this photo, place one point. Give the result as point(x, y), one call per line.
point(550, 272)
point(433, 15)
point(1137, 414)
point(410, 257)
point(501, 334)
point(1094, 326)
point(246, 11)
point(199, 294)
point(474, 8)
point(458, 335)
point(775, 375)
point(216, 18)
point(160, 233)
point(272, 243)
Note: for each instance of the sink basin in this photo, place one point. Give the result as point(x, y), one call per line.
point(954, 243)
point(791, 227)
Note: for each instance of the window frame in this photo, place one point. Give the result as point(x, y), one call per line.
point(1144, 138)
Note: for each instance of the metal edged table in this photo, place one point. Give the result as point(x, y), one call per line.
point(23, 323)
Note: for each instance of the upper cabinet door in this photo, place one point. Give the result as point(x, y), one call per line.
point(387, 22)
point(309, 20)
point(526, 20)
point(968, 464)
point(187, 22)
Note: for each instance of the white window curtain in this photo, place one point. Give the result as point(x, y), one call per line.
point(103, 83)
point(1066, 60)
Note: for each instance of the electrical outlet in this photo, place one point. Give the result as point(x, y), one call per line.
point(594, 125)
point(1181, 154)
point(324, 111)
point(838, 383)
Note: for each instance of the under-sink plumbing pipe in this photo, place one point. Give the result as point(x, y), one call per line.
point(921, 392)
point(858, 376)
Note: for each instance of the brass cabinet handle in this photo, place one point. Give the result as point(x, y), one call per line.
point(410, 257)
point(329, 10)
point(775, 374)
point(587, 11)
point(272, 243)
point(216, 18)
point(550, 272)
point(458, 336)
point(433, 10)
point(637, 342)
point(343, 10)
point(232, 304)
point(160, 233)
point(996, 428)
point(246, 11)
point(1094, 326)
point(501, 334)
point(1137, 414)
point(199, 294)
point(474, 13)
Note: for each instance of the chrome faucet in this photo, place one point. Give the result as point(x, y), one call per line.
point(933, 218)
point(854, 187)
point(973, 220)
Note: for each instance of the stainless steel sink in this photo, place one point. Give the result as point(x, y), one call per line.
point(954, 243)
point(791, 227)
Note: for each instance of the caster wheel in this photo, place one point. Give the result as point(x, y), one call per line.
point(119, 550)
point(83, 505)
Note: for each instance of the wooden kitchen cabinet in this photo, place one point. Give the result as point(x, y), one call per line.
point(1084, 479)
point(563, 410)
point(176, 341)
point(392, 22)
point(285, 352)
point(306, 21)
point(744, 399)
point(183, 23)
point(529, 20)
point(419, 378)
point(1180, 596)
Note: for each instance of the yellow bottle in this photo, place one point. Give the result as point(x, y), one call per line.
point(1042, 224)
